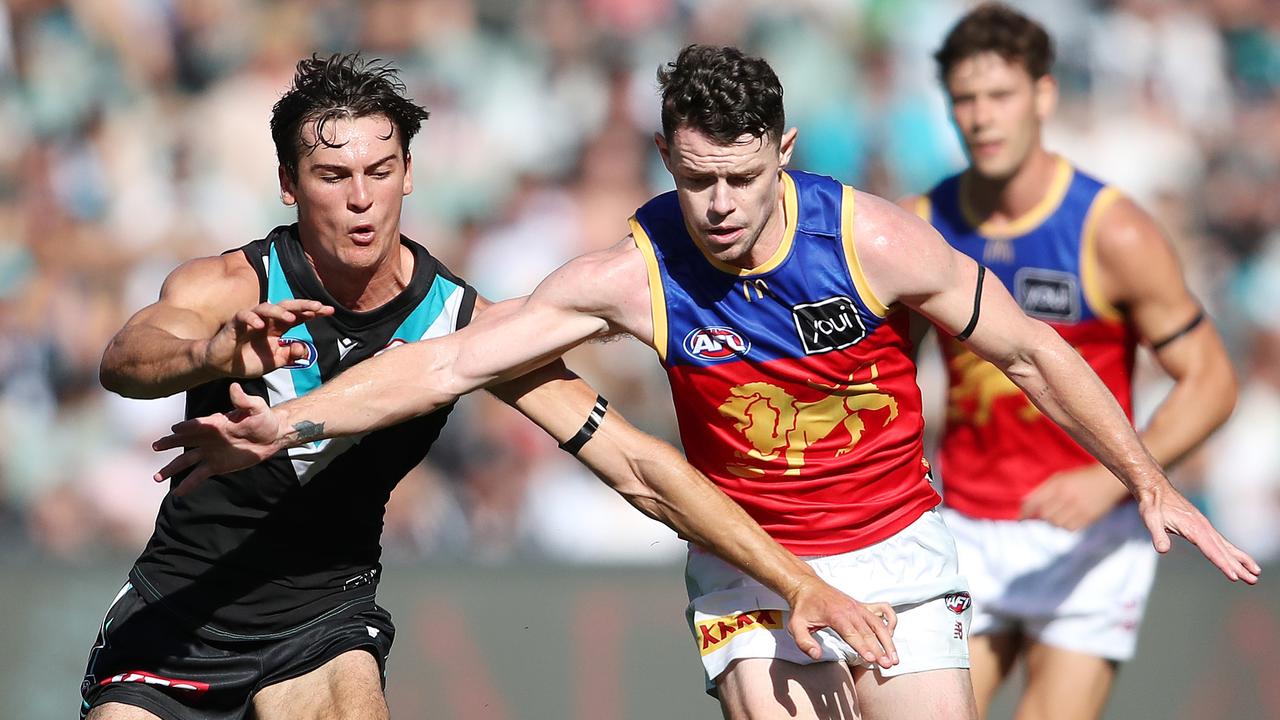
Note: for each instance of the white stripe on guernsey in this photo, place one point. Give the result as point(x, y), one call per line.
point(447, 320)
point(312, 458)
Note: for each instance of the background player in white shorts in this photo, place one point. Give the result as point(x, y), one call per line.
point(1055, 553)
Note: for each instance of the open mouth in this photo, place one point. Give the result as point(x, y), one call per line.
point(362, 234)
point(724, 234)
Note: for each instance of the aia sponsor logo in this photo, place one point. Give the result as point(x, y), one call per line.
point(958, 602)
point(826, 325)
point(712, 634)
point(716, 343)
point(306, 362)
point(194, 687)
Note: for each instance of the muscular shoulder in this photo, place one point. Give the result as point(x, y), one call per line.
point(218, 285)
point(611, 284)
point(900, 254)
point(1132, 251)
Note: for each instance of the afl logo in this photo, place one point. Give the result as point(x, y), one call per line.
point(303, 363)
point(716, 343)
point(957, 602)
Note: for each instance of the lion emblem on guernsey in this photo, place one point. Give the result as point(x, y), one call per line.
point(980, 386)
point(778, 425)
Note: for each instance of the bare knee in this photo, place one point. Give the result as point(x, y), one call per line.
point(347, 687)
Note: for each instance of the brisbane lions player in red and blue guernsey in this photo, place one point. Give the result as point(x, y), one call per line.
point(1054, 551)
point(775, 300)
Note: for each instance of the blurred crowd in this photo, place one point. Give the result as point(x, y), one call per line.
point(135, 137)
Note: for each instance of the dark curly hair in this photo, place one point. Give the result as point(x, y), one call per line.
point(339, 86)
point(996, 27)
point(722, 93)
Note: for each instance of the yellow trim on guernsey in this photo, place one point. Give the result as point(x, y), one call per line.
point(924, 208)
point(851, 255)
point(790, 218)
point(657, 296)
point(1029, 220)
point(1089, 256)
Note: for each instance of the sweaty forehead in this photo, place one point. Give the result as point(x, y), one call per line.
point(348, 138)
point(693, 150)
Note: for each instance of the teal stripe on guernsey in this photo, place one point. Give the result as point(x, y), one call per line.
point(304, 379)
point(424, 316)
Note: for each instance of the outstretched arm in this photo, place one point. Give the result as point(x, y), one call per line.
point(657, 480)
point(908, 262)
point(590, 296)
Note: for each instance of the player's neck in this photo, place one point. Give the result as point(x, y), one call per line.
point(1003, 201)
point(365, 289)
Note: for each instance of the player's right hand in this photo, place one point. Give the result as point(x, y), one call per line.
point(1164, 510)
point(221, 443)
point(868, 628)
point(250, 344)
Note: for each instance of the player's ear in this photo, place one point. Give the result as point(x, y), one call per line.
point(1046, 89)
point(786, 144)
point(408, 173)
point(288, 188)
point(663, 149)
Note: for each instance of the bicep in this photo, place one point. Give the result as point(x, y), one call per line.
point(1143, 276)
point(198, 297)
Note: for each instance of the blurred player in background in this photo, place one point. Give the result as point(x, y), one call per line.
point(1054, 549)
point(255, 597)
point(775, 300)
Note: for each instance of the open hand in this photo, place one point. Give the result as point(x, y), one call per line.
point(251, 343)
point(868, 628)
point(222, 443)
point(1165, 510)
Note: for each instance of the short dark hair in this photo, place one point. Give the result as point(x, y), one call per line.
point(722, 93)
point(339, 86)
point(996, 27)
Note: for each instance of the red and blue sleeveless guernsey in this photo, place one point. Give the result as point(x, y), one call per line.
point(997, 447)
point(793, 385)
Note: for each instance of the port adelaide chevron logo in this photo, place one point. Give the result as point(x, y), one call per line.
point(716, 343)
point(826, 325)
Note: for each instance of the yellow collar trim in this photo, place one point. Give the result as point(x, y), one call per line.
point(1029, 220)
point(791, 217)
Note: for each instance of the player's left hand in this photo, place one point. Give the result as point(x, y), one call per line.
point(1075, 499)
point(221, 443)
point(1165, 510)
point(868, 628)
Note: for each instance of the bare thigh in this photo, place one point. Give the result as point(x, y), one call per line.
point(120, 711)
point(991, 657)
point(767, 689)
point(934, 694)
point(348, 687)
point(1065, 684)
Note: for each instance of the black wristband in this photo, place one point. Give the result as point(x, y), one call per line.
point(575, 443)
point(1199, 318)
point(977, 306)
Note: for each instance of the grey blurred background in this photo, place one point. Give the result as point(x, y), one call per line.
point(134, 136)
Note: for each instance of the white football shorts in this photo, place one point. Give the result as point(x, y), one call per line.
point(1083, 591)
point(732, 616)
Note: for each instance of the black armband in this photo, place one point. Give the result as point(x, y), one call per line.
point(575, 443)
point(1199, 318)
point(977, 307)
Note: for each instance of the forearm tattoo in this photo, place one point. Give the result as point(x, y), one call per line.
point(307, 430)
